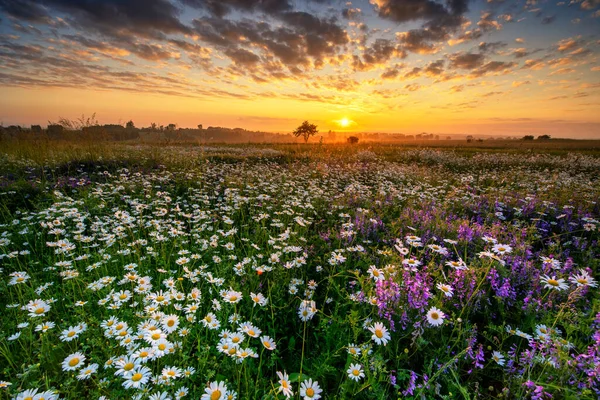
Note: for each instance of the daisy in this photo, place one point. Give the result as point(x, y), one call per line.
point(553, 283)
point(251, 330)
point(355, 372)
point(231, 296)
point(353, 350)
point(215, 391)
point(380, 333)
point(435, 317)
point(498, 357)
point(259, 299)
point(73, 362)
point(37, 308)
point(137, 377)
point(87, 372)
point(44, 326)
point(182, 392)
point(170, 323)
point(447, 289)
point(284, 384)
point(375, 273)
point(583, 279)
point(502, 249)
point(310, 390)
point(268, 343)
point(458, 265)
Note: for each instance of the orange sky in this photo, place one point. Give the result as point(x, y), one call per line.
point(507, 68)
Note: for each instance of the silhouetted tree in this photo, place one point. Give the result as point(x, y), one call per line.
point(543, 137)
point(528, 137)
point(352, 140)
point(306, 130)
point(129, 125)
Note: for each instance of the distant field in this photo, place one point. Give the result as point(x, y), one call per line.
point(438, 269)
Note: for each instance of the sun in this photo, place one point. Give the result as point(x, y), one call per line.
point(344, 122)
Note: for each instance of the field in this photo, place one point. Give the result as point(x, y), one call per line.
point(299, 271)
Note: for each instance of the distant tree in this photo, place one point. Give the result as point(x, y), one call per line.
point(528, 137)
point(352, 140)
point(154, 126)
point(171, 127)
point(448, 137)
point(129, 125)
point(306, 130)
point(36, 129)
point(543, 137)
point(469, 139)
point(200, 126)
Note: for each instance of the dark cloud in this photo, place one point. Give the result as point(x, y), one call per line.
point(220, 8)
point(427, 10)
point(466, 60)
point(493, 68)
point(548, 19)
point(491, 47)
point(242, 57)
point(380, 52)
point(25, 10)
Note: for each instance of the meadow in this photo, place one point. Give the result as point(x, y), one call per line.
point(298, 271)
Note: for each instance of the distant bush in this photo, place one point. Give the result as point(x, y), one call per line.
point(352, 140)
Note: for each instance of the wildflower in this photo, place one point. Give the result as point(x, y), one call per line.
point(87, 372)
point(310, 390)
point(583, 279)
point(232, 297)
point(137, 377)
point(14, 337)
point(498, 357)
point(553, 283)
point(502, 249)
point(37, 308)
point(353, 350)
point(259, 299)
point(284, 384)
point(214, 391)
point(435, 316)
point(447, 289)
point(268, 343)
point(355, 372)
point(375, 273)
point(380, 333)
point(73, 362)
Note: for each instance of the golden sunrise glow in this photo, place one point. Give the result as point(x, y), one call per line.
point(344, 122)
point(357, 66)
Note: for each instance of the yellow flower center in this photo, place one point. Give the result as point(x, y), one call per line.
point(160, 298)
point(128, 366)
point(137, 377)
point(267, 344)
point(552, 282)
point(118, 327)
point(251, 332)
point(355, 372)
point(233, 298)
point(39, 310)
point(434, 315)
point(71, 334)
point(171, 323)
point(73, 362)
point(216, 395)
point(583, 281)
point(156, 336)
point(310, 392)
point(144, 354)
point(162, 346)
point(378, 333)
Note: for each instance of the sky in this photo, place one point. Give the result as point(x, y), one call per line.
point(489, 67)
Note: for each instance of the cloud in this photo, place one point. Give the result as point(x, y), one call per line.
point(493, 68)
point(412, 10)
point(466, 60)
point(220, 8)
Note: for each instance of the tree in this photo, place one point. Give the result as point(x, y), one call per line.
point(543, 137)
point(528, 137)
point(129, 125)
point(469, 139)
point(306, 130)
point(352, 140)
